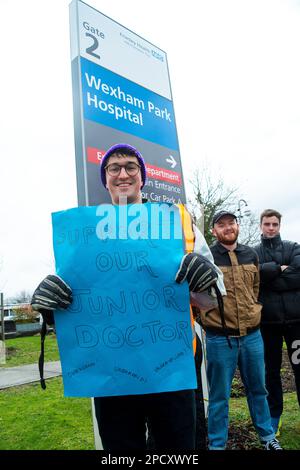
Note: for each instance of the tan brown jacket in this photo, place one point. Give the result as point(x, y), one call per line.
point(241, 279)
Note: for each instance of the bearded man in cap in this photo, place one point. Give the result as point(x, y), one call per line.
point(171, 415)
point(234, 339)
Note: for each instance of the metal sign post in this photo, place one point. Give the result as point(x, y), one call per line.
point(2, 317)
point(2, 342)
point(205, 391)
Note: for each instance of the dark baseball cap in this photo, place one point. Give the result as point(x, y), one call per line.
point(220, 214)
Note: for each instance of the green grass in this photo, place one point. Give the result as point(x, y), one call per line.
point(290, 433)
point(26, 350)
point(36, 419)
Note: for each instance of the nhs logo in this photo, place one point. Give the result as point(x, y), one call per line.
point(157, 55)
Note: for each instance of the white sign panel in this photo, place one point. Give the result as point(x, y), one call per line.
point(104, 41)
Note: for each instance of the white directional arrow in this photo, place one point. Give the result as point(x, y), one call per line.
point(172, 161)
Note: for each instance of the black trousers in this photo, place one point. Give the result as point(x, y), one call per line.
point(171, 417)
point(201, 440)
point(273, 336)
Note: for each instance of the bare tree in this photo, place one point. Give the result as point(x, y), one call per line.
point(25, 313)
point(21, 297)
point(210, 195)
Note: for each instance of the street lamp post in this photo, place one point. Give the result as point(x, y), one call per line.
point(242, 213)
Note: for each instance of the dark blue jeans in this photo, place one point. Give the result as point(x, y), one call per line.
point(248, 353)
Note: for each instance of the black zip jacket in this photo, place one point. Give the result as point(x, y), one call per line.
point(279, 290)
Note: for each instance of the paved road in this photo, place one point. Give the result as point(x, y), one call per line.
point(20, 375)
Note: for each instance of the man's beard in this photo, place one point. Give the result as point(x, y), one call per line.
point(229, 241)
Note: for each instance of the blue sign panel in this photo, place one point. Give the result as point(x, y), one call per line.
point(114, 101)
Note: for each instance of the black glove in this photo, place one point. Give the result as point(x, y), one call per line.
point(51, 294)
point(198, 271)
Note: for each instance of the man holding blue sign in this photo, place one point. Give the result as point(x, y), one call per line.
point(126, 336)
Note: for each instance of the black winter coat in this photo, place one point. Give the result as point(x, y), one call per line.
point(279, 290)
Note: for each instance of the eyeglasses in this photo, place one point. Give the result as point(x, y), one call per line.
point(131, 169)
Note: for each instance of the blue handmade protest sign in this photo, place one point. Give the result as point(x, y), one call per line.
point(128, 329)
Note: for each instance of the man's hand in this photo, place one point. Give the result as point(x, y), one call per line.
point(51, 294)
point(198, 271)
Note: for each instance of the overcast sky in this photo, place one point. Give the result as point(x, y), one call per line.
point(235, 74)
